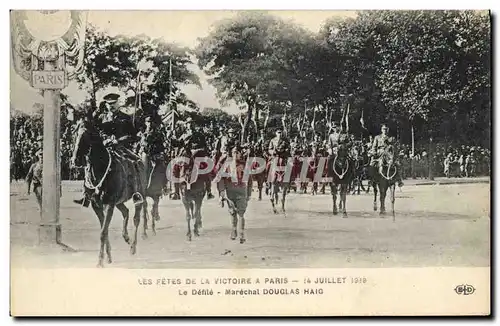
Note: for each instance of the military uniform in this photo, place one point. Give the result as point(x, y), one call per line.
point(333, 142)
point(279, 146)
point(379, 143)
point(34, 177)
point(118, 132)
point(195, 145)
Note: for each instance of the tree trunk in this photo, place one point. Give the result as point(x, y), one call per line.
point(412, 166)
point(93, 100)
point(257, 127)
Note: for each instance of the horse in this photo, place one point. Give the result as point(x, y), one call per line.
point(260, 177)
point(341, 172)
point(193, 191)
point(384, 178)
point(278, 178)
point(112, 180)
point(361, 163)
point(236, 192)
point(156, 182)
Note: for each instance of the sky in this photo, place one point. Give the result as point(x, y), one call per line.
point(182, 27)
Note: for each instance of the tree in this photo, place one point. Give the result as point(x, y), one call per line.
point(257, 60)
point(139, 65)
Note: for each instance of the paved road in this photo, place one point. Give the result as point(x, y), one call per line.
point(436, 225)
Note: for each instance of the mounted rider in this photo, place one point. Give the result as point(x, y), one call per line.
point(195, 145)
point(279, 145)
point(379, 144)
point(333, 139)
point(152, 145)
point(224, 146)
point(120, 134)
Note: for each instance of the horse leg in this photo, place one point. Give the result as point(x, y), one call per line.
point(274, 197)
point(393, 199)
point(283, 198)
point(125, 212)
point(188, 216)
point(138, 209)
point(197, 214)
point(383, 193)
point(154, 213)
point(260, 184)
point(333, 189)
point(323, 188)
point(314, 188)
point(108, 215)
point(234, 223)
point(242, 228)
point(375, 191)
point(100, 214)
point(154, 210)
point(145, 212)
point(343, 199)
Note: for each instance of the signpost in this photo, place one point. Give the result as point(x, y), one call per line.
point(41, 42)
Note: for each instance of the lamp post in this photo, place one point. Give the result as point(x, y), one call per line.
point(43, 44)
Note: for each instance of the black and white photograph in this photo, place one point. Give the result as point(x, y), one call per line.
point(251, 140)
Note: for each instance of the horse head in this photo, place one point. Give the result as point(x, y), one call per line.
point(388, 154)
point(388, 168)
point(86, 137)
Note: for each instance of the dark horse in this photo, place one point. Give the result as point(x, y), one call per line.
point(235, 189)
point(341, 170)
point(361, 170)
point(260, 177)
point(279, 176)
point(384, 178)
point(192, 190)
point(111, 180)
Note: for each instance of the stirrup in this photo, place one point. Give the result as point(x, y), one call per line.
point(137, 198)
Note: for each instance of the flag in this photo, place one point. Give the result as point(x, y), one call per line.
point(362, 120)
point(69, 115)
point(347, 119)
point(169, 117)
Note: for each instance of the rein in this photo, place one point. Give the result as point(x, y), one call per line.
point(88, 179)
point(341, 176)
point(386, 175)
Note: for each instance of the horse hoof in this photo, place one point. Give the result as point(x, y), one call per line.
point(335, 212)
point(275, 211)
point(144, 236)
point(382, 214)
point(100, 265)
point(233, 236)
point(188, 237)
point(344, 215)
point(260, 199)
point(154, 232)
point(374, 208)
point(242, 240)
point(196, 233)
point(133, 250)
point(110, 260)
point(126, 238)
point(157, 217)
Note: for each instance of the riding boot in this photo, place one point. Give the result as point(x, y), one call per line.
point(84, 201)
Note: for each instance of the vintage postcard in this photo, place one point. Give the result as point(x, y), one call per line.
point(250, 163)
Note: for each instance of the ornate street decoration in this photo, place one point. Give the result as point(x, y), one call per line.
point(55, 36)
